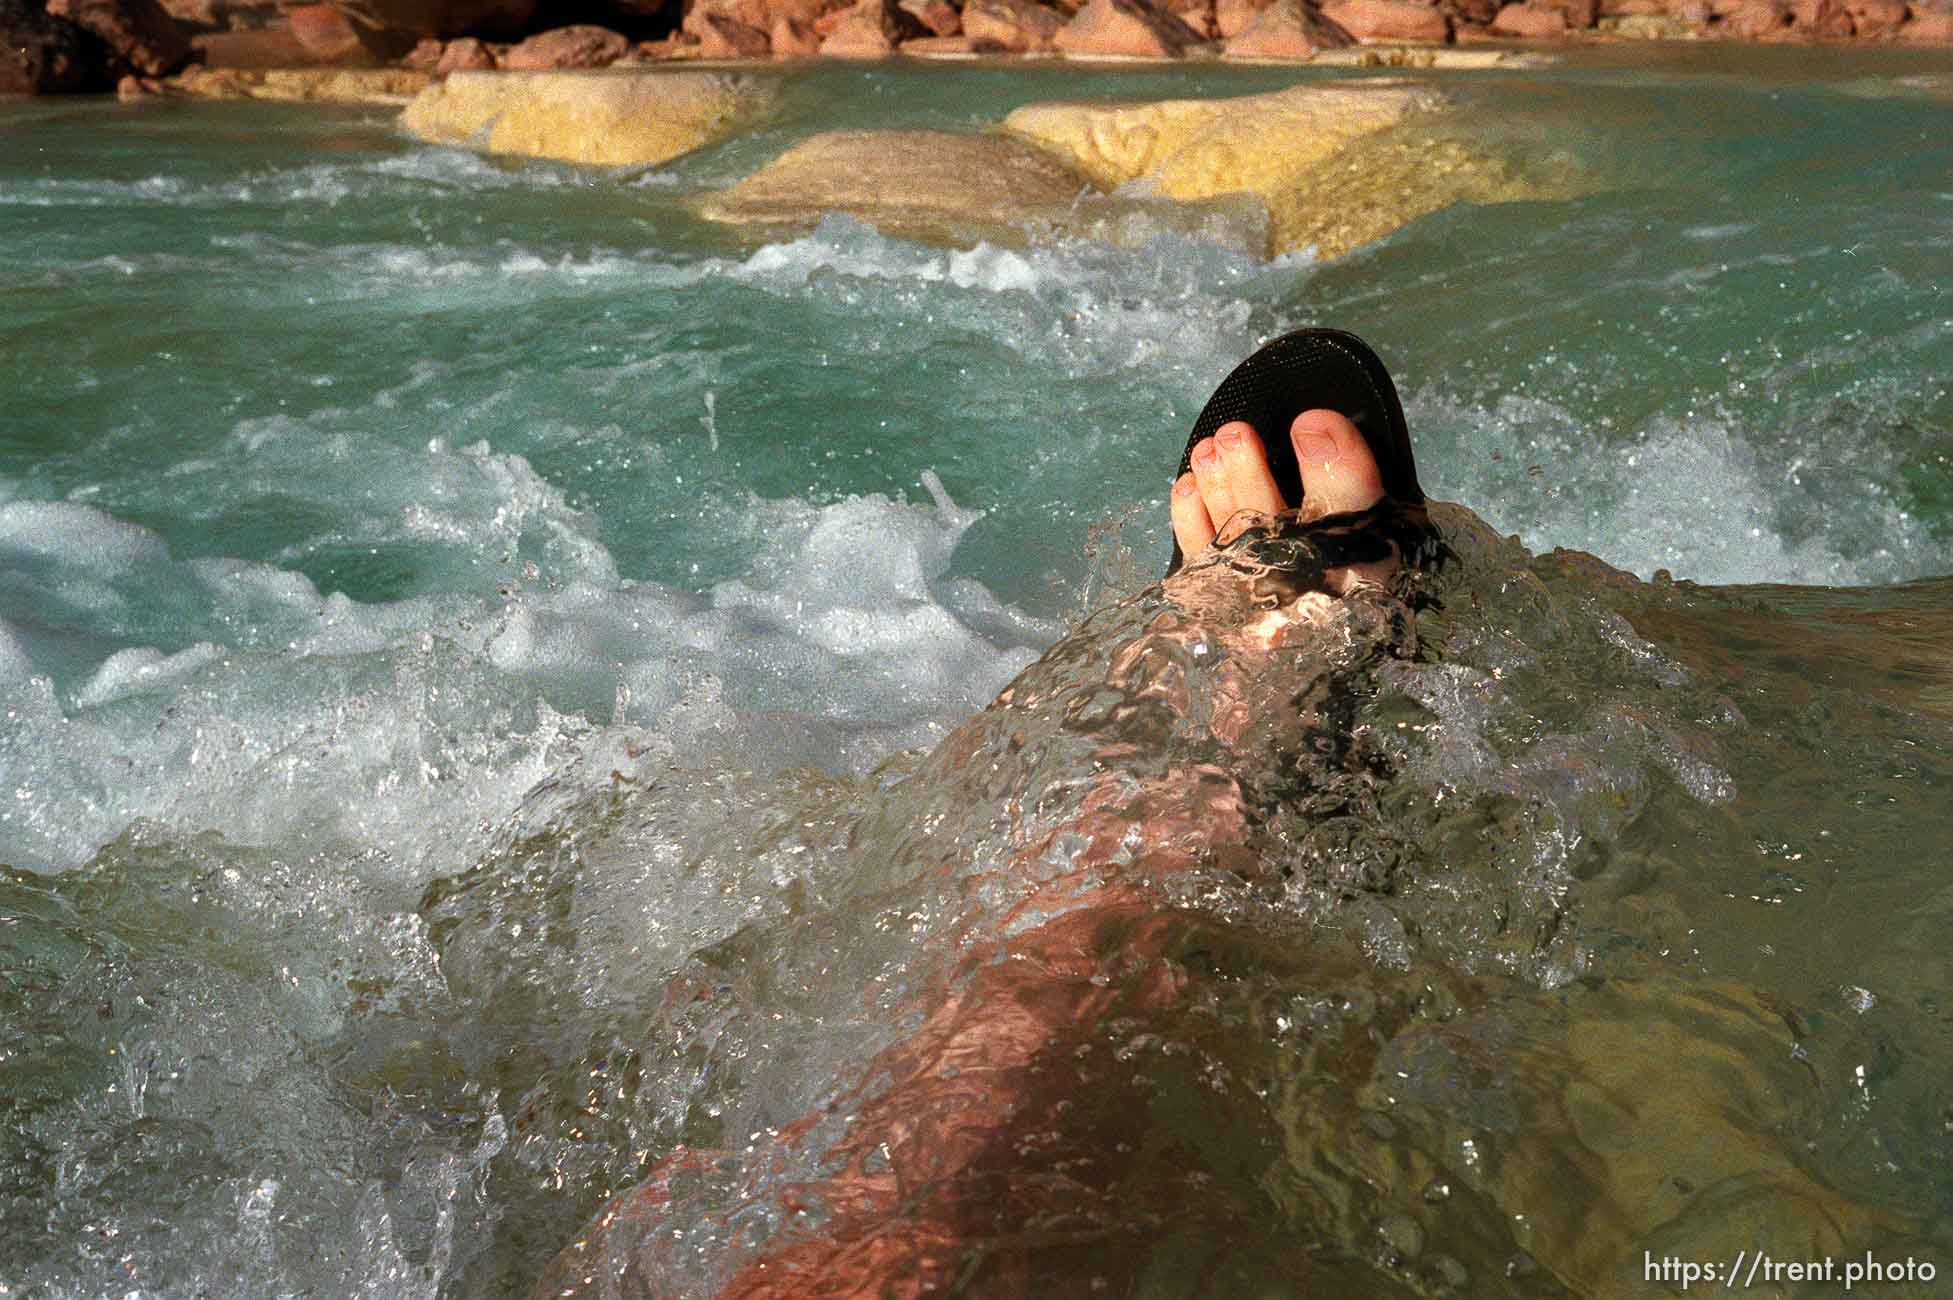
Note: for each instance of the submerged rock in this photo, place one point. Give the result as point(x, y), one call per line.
point(921, 184)
point(611, 119)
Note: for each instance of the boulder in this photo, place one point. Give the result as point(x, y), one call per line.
point(611, 119)
point(762, 16)
point(1534, 22)
point(268, 47)
point(1928, 27)
point(465, 54)
point(140, 34)
point(1876, 18)
point(1231, 17)
point(721, 37)
point(1755, 19)
point(1820, 17)
point(441, 18)
point(794, 38)
point(1136, 29)
point(933, 185)
point(938, 17)
point(1287, 29)
point(1389, 20)
point(1471, 13)
point(1015, 25)
point(1282, 147)
point(582, 46)
point(328, 36)
point(41, 54)
point(871, 29)
point(1197, 15)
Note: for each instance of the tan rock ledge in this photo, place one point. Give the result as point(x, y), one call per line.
point(1325, 166)
point(607, 118)
point(1337, 165)
point(931, 185)
point(392, 86)
point(1283, 147)
point(955, 188)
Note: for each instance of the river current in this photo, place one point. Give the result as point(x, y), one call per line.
point(473, 634)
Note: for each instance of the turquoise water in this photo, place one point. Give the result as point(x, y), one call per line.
point(364, 506)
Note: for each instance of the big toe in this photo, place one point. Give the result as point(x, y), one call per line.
point(1338, 472)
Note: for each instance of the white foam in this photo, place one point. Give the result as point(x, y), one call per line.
point(401, 727)
point(1689, 495)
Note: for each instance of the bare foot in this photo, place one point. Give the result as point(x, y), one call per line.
point(1230, 474)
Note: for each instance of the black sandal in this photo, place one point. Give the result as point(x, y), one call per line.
point(1303, 371)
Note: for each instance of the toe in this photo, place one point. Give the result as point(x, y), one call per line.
point(1210, 474)
point(1245, 462)
point(1192, 528)
point(1338, 472)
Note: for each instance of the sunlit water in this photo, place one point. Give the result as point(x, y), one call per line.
point(447, 606)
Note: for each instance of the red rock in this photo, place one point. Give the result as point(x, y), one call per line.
point(270, 47)
point(1388, 20)
point(938, 17)
point(139, 33)
point(720, 37)
point(327, 35)
point(1198, 15)
point(794, 38)
point(1928, 27)
point(931, 46)
point(1876, 17)
point(582, 46)
point(1231, 17)
point(442, 18)
point(194, 13)
point(1130, 28)
point(1627, 8)
point(1288, 29)
point(1016, 25)
point(465, 54)
point(871, 29)
point(1580, 14)
point(1534, 22)
point(1754, 19)
point(425, 56)
point(1474, 13)
point(1820, 18)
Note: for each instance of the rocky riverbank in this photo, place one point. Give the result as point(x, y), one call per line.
point(94, 45)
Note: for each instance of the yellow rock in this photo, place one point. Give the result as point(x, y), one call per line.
point(934, 185)
point(304, 85)
point(1336, 165)
point(608, 118)
point(957, 187)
